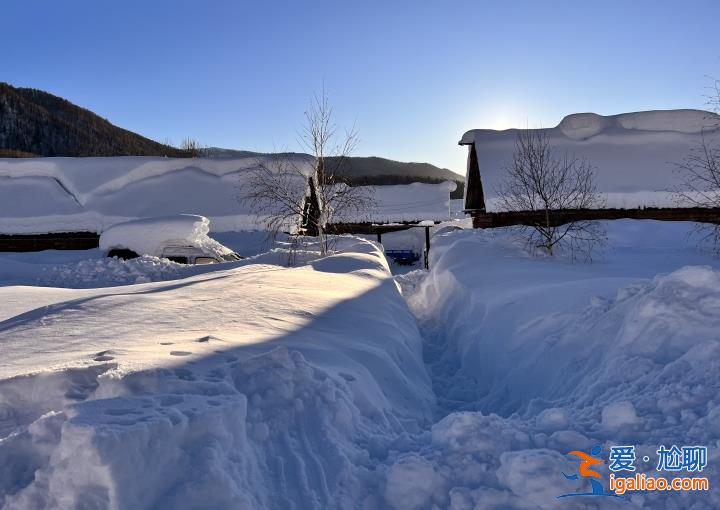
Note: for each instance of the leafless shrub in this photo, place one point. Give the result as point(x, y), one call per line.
point(538, 180)
point(713, 99)
point(699, 173)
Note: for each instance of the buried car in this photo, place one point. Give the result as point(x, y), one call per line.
point(182, 238)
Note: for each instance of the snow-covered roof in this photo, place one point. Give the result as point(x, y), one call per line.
point(633, 154)
point(406, 203)
point(40, 195)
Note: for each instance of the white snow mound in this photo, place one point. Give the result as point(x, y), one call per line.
point(149, 236)
point(580, 126)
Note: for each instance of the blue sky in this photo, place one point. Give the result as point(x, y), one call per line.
point(412, 75)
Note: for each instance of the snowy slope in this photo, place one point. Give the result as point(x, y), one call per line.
point(633, 154)
point(241, 388)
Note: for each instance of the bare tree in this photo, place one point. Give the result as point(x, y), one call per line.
point(699, 172)
point(699, 186)
point(540, 181)
point(303, 198)
point(713, 99)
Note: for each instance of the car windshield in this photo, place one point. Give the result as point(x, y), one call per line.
point(205, 260)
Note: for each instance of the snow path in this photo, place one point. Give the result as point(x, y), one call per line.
point(531, 358)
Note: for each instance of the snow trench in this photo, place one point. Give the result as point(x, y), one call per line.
point(530, 359)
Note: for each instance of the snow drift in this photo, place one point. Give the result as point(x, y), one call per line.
point(633, 154)
point(241, 388)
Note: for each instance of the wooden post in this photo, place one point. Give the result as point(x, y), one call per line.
point(427, 247)
point(379, 237)
point(311, 211)
point(474, 196)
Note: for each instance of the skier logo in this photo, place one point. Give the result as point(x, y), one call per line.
point(587, 461)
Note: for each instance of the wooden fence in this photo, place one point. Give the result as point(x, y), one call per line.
point(58, 241)
point(560, 217)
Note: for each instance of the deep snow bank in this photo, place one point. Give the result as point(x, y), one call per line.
point(532, 358)
point(253, 387)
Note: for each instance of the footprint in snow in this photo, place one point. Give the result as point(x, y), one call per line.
point(180, 353)
point(104, 356)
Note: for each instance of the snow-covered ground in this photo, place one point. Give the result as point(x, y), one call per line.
point(92, 269)
point(254, 385)
point(239, 388)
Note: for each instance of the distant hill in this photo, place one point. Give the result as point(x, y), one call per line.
point(361, 166)
point(380, 171)
point(377, 171)
point(33, 122)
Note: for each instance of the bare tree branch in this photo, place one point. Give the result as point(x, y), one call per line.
point(290, 198)
point(699, 186)
point(541, 181)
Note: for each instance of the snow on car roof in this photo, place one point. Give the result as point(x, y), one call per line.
point(149, 236)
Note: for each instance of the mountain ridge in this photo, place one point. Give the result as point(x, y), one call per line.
point(34, 122)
